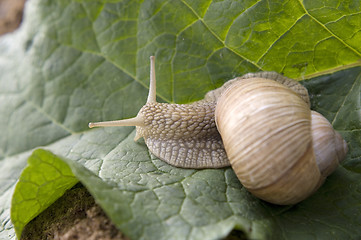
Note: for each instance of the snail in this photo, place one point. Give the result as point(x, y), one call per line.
point(260, 124)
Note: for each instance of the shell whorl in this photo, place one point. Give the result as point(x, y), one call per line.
point(329, 147)
point(271, 148)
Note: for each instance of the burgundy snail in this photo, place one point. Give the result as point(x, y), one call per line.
point(260, 124)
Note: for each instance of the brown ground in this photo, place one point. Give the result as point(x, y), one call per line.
point(11, 12)
point(73, 216)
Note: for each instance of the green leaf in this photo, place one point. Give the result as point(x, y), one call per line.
point(78, 61)
point(171, 207)
point(43, 181)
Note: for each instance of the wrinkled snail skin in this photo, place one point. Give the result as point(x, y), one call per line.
point(183, 135)
point(260, 124)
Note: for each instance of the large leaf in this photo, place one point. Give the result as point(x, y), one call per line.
point(78, 61)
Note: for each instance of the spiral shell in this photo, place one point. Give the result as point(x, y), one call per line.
point(329, 147)
point(266, 131)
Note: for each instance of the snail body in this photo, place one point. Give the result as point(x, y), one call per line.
point(260, 124)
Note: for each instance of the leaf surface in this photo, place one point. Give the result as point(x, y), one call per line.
point(78, 61)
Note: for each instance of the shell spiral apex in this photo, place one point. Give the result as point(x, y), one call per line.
point(329, 146)
point(260, 124)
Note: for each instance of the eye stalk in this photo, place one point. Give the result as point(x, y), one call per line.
point(139, 119)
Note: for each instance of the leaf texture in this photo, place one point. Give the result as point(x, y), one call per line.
point(77, 61)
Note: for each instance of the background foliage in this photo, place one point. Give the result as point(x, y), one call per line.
point(78, 61)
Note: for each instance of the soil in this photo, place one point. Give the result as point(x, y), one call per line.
point(11, 14)
point(73, 216)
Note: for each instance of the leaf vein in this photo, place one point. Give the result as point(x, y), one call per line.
point(329, 30)
point(218, 37)
point(344, 100)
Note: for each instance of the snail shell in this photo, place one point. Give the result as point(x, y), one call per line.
point(271, 149)
point(328, 145)
point(264, 121)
